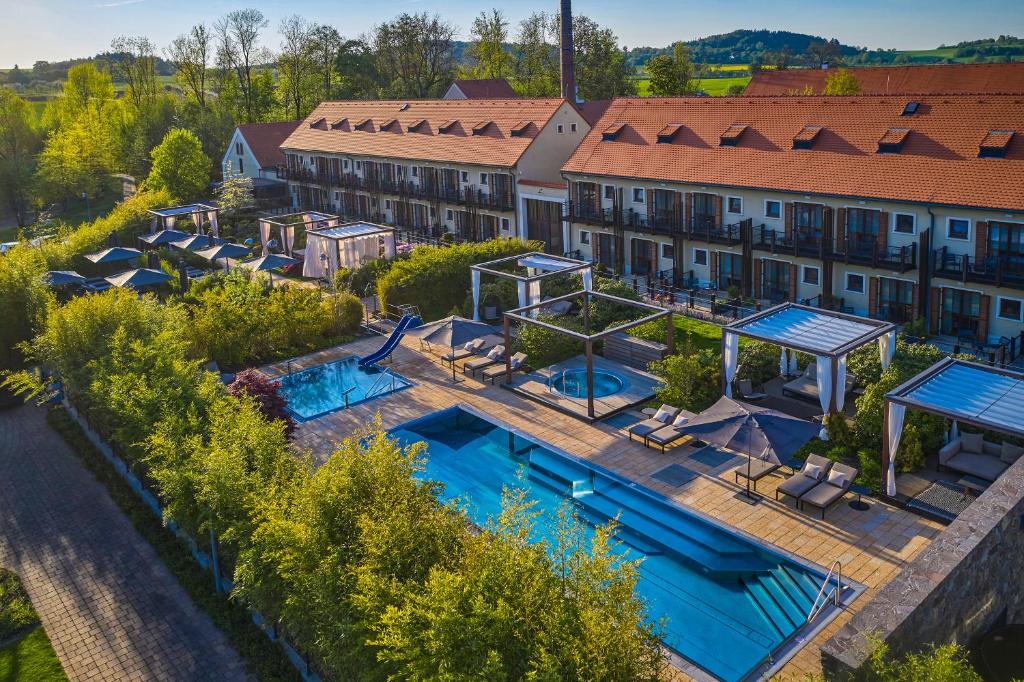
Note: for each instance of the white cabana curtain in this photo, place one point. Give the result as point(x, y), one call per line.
point(349, 257)
point(794, 366)
point(534, 297)
point(265, 236)
point(729, 360)
point(840, 386)
point(211, 216)
point(887, 349)
point(824, 371)
point(523, 294)
point(588, 279)
point(312, 265)
point(169, 222)
point(197, 220)
point(152, 225)
point(288, 237)
point(896, 412)
point(474, 277)
point(783, 362)
point(389, 246)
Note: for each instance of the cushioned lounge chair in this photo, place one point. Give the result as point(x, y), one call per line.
point(829, 491)
point(747, 391)
point(663, 417)
point(492, 373)
point(493, 357)
point(670, 435)
point(802, 481)
point(467, 351)
point(805, 386)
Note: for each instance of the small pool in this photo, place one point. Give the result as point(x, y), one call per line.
point(729, 603)
point(573, 383)
point(318, 390)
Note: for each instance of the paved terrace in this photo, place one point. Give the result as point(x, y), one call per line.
point(872, 545)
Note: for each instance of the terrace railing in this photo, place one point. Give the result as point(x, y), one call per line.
point(799, 242)
point(868, 250)
point(1000, 269)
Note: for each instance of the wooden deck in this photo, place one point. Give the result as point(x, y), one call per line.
point(872, 545)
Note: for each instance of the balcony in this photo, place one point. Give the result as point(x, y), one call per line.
point(797, 243)
point(588, 214)
point(711, 231)
point(666, 222)
point(1002, 270)
point(867, 250)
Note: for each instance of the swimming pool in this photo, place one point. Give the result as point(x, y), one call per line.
point(573, 383)
point(729, 603)
point(318, 390)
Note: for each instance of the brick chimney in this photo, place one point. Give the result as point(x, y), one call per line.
point(567, 59)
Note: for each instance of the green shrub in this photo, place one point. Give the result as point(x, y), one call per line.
point(504, 290)
point(946, 663)
point(692, 379)
point(870, 469)
point(349, 311)
point(758, 361)
point(16, 612)
point(840, 433)
point(546, 347)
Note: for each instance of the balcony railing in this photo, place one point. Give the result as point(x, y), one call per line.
point(589, 214)
point(1006, 270)
point(867, 250)
point(709, 230)
point(798, 242)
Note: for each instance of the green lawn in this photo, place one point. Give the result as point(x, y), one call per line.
point(30, 659)
point(716, 87)
point(701, 334)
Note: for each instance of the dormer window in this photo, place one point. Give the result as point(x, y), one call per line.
point(668, 133)
point(732, 135)
point(519, 128)
point(446, 127)
point(481, 127)
point(994, 144)
point(806, 137)
point(341, 124)
point(416, 125)
point(320, 123)
point(388, 123)
point(892, 141)
point(366, 124)
point(612, 132)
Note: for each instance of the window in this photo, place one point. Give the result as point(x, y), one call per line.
point(700, 256)
point(734, 205)
point(1010, 309)
point(483, 179)
point(465, 176)
point(449, 214)
point(584, 237)
point(667, 252)
point(238, 148)
point(415, 171)
point(344, 164)
point(359, 165)
point(572, 127)
point(387, 204)
point(958, 228)
point(855, 283)
point(904, 223)
point(811, 275)
point(505, 225)
point(433, 212)
point(560, 128)
point(772, 208)
point(373, 202)
point(639, 195)
point(241, 166)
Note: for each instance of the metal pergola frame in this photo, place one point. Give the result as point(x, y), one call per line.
point(161, 214)
point(522, 315)
point(276, 220)
point(572, 265)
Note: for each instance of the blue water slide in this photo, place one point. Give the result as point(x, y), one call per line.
point(407, 322)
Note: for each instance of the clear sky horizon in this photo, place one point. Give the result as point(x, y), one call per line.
point(53, 30)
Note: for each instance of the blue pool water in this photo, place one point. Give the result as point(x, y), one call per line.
point(573, 383)
point(728, 603)
point(321, 389)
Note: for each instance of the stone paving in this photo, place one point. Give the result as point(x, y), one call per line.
point(111, 608)
point(872, 545)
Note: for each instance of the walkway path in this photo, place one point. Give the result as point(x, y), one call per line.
point(111, 608)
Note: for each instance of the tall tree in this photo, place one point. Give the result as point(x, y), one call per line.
point(180, 166)
point(820, 53)
point(136, 66)
point(325, 47)
point(415, 53)
point(602, 71)
point(239, 50)
point(841, 82)
point(296, 67)
point(19, 142)
point(672, 76)
point(357, 71)
point(86, 87)
point(190, 54)
point(487, 55)
point(536, 58)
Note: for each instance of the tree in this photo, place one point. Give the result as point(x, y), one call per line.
point(820, 53)
point(239, 51)
point(136, 66)
point(841, 82)
point(357, 71)
point(602, 71)
point(296, 67)
point(235, 193)
point(180, 166)
point(19, 143)
point(781, 59)
point(266, 393)
point(86, 88)
point(536, 58)
point(415, 55)
point(486, 53)
point(77, 157)
point(324, 49)
point(672, 76)
point(190, 54)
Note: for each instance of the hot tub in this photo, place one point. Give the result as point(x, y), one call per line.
point(572, 383)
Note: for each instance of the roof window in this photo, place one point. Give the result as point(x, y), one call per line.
point(892, 141)
point(612, 132)
point(806, 137)
point(668, 133)
point(994, 144)
point(732, 135)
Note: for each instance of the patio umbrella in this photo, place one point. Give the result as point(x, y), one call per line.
point(164, 237)
point(225, 250)
point(268, 264)
point(114, 255)
point(756, 431)
point(60, 278)
point(139, 278)
point(197, 242)
point(452, 331)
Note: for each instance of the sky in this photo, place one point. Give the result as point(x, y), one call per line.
point(53, 30)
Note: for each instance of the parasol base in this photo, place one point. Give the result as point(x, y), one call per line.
point(751, 498)
point(859, 505)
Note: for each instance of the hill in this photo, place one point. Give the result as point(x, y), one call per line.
point(743, 46)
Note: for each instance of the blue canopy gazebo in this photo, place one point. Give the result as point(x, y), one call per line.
point(140, 278)
point(163, 237)
point(115, 254)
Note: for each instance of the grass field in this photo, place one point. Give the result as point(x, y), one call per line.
point(30, 659)
point(716, 87)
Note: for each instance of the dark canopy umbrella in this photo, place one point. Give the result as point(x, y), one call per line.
point(60, 278)
point(164, 237)
point(452, 331)
point(139, 278)
point(756, 431)
point(197, 242)
point(114, 255)
point(225, 250)
point(268, 264)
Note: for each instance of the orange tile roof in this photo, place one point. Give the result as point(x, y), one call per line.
point(936, 79)
point(264, 139)
point(938, 163)
point(486, 88)
point(493, 145)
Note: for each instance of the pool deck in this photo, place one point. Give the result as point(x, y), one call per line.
point(872, 545)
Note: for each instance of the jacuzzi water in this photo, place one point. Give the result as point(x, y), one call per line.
point(318, 390)
point(573, 383)
point(728, 602)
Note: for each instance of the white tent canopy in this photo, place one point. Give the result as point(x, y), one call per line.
point(537, 266)
point(826, 334)
point(286, 224)
point(200, 214)
point(346, 246)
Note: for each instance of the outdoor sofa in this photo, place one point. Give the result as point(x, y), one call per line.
point(805, 386)
point(669, 435)
point(971, 454)
point(492, 373)
point(811, 474)
point(831, 490)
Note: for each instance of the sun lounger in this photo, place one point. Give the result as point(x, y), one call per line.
point(670, 435)
point(831, 490)
point(810, 475)
point(663, 417)
point(467, 351)
point(496, 355)
point(747, 391)
point(758, 470)
point(492, 373)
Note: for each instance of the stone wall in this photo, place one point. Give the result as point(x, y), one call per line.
point(954, 591)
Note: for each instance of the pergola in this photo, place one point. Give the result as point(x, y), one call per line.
point(968, 392)
point(286, 223)
point(528, 270)
point(828, 335)
point(346, 246)
point(523, 315)
point(167, 218)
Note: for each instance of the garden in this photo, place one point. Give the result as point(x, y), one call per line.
point(25, 651)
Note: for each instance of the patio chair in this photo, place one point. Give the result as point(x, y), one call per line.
point(496, 355)
point(747, 392)
point(759, 468)
point(810, 475)
point(663, 417)
point(469, 350)
point(668, 436)
point(492, 373)
point(831, 490)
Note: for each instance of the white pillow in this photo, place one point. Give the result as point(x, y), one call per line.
point(812, 470)
point(837, 478)
point(495, 353)
point(663, 414)
point(680, 420)
point(469, 345)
